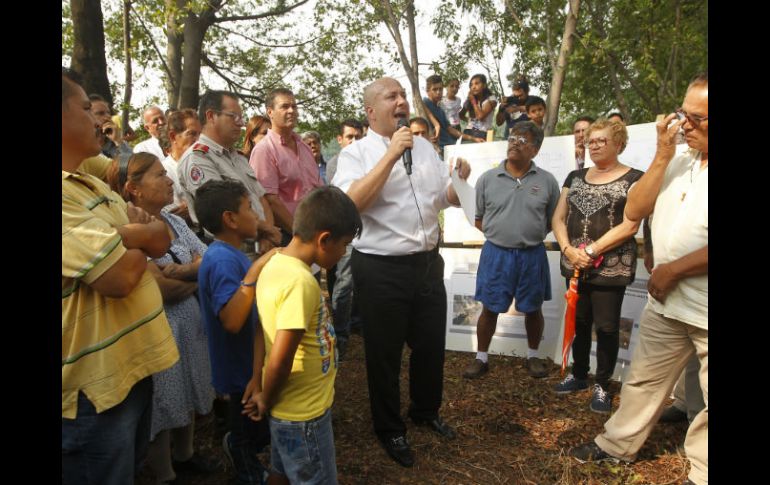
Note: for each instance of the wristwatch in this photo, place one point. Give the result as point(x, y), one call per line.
point(590, 252)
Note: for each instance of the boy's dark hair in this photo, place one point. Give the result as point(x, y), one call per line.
point(534, 100)
point(270, 100)
point(326, 208)
point(212, 100)
point(353, 123)
point(420, 121)
point(434, 79)
point(215, 197)
point(616, 113)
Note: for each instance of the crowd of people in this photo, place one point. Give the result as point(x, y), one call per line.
point(191, 271)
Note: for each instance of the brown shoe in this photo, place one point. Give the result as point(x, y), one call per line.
point(537, 367)
point(476, 369)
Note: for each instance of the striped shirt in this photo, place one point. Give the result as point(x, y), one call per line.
point(108, 344)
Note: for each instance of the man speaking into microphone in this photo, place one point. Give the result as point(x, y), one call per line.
point(397, 270)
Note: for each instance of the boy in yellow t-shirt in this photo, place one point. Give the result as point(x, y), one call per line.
point(301, 358)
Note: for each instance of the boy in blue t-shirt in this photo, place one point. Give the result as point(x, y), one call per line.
point(226, 281)
point(447, 134)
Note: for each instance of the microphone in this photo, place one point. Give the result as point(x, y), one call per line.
point(408, 152)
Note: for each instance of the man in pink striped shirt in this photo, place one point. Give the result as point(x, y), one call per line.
point(284, 165)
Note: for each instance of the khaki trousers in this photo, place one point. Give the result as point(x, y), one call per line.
point(688, 397)
point(665, 346)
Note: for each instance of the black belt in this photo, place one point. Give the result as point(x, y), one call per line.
point(413, 258)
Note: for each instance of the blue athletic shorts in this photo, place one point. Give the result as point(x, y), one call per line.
point(505, 274)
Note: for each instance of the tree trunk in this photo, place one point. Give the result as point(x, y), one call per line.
point(619, 96)
point(557, 81)
point(88, 57)
point(414, 75)
point(392, 22)
point(127, 61)
point(195, 28)
point(194, 31)
point(173, 51)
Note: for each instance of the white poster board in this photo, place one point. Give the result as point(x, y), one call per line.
point(556, 155)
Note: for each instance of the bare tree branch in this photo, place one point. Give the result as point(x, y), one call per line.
point(270, 13)
point(152, 41)
point(250, 39)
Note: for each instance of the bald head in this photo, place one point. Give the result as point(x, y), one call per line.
point(371, 90)
point(153, 119)
point(385, 102)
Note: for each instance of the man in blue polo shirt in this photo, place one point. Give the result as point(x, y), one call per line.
point(514, 205)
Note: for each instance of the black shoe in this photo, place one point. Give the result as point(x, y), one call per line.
point(672, 414)
point(437, 425)
point(398, 449)
point(197, 464)
point(590, 452)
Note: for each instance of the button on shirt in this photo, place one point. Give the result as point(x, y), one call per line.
point(197, 167)
point(516, 212)
point(392, 224)
point(280, 171)
point(680, 227)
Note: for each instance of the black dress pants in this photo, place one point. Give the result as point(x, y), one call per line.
point(597, 307)
point(402, 299)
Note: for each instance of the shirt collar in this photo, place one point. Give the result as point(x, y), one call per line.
point(376, 136)
point(280, 138)
point(532, 168)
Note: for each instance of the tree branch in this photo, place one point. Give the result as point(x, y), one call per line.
point(270, 13)
point(396, 33)
point(152, 42)
point(288, 46)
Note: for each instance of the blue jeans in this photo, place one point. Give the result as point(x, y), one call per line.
point(303, 451)
point(342, 298)
point(106, 448)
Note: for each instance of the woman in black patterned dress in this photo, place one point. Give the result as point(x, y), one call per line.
point(596, 239)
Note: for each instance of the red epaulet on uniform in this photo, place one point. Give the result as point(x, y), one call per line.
point(200, 147)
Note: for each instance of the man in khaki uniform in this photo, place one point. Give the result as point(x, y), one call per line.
point(214, 157)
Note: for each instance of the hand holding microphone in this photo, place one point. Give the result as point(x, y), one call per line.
point(403, 138)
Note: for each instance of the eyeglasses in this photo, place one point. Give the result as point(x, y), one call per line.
point(237, 119)
point(694, 120)
point(518, 140)
point(597, 142)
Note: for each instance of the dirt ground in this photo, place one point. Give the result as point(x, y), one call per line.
point(511, 429)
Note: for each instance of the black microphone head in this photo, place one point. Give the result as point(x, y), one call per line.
point(403, 122)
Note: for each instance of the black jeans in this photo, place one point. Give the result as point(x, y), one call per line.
point(597, 306)
point(403, 300)
point(247, 438)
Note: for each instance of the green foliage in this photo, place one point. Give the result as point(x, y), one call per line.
point(654, 54)
point(67, 36)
